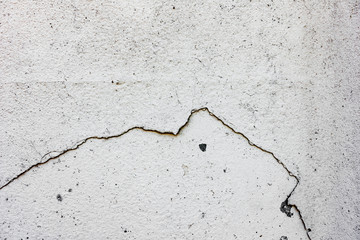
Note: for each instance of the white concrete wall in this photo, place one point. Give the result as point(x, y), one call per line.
point(282, 73)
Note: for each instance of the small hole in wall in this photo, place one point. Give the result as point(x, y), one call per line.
point(59, 197)
point(202, 147)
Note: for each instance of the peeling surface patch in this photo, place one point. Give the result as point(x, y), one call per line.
point(286, 208)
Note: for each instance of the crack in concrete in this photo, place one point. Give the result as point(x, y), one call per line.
point(285, 206)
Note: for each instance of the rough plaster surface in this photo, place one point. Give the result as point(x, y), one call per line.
point(284, 73)
point(151, 186)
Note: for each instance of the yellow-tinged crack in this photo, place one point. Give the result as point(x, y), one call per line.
point(285, 206)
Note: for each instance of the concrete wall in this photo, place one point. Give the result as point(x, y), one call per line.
point(100, 133)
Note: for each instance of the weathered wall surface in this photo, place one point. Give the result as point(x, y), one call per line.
point(283, 73)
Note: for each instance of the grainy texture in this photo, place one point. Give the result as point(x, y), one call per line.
point(284, 73)
point(146, 185)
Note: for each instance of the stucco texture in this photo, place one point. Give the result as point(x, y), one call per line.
point(284, 74)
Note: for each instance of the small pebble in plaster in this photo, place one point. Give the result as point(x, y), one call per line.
point(284, 238)
point(70, 190)
point(202, 147)
point(59, 197)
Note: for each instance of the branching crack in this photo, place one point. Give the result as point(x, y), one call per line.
point(285, 206)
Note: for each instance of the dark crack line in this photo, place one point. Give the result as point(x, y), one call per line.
point(283, 205)
point(307, 230)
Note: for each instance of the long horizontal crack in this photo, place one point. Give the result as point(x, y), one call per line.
point(285, 206)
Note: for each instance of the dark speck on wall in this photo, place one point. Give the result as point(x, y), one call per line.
point(70, 190)
point(286, 208)
point(284, 238)
point(59, 197)
point(202, 147)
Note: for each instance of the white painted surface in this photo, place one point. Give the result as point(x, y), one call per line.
point(285, 74)
point(143, 185)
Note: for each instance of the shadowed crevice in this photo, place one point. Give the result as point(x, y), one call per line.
point(285, 207)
